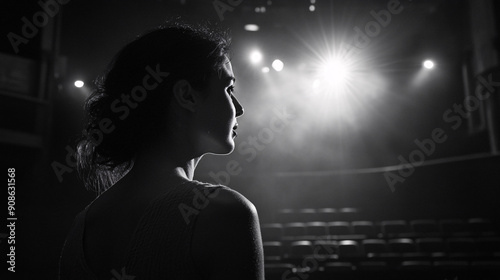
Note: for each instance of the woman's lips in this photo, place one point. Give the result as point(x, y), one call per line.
point(234, 130)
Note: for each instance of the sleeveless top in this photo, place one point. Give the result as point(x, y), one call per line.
point(160, 247)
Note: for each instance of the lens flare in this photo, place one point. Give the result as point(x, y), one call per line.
point(429, 64)
point(278, 65)
point(79, 84)
point(255, 57)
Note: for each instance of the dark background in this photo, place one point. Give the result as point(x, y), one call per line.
point(334, 153)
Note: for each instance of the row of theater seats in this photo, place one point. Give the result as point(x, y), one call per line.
point(386, 249)
point(320, 214)
point(343, 240)
point(345, 261)
point(391, 228)
point(383, 270)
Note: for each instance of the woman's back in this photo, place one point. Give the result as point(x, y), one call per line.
point(137, 231)
point(110, 223)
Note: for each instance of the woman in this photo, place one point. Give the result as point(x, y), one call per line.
point(166, 100)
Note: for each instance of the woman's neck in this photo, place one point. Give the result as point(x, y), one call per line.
point(162, 159)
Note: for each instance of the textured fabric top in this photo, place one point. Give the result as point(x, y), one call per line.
point(160, 247)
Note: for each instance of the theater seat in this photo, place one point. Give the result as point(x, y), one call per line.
point(430, 244)
point(306, 215)
point(339, 228)
point(316, 229)
point(349, 249)
point(490, 265)
point(451, 264)
point(271, 232)
point(424, 227)
point(453, 226)
point(325, 248)
point(372, 266)
point(364, 227)
point(461, 245)
point(301, 249)
point(416, 265)
point(277, 269)
point(287, 215)
point(401, 245)
point(273, 250)
point(480, 226)
point(348, 214)
point(294, 229)
point(374, 247)
point(488, 244)
point(395, 227)
point(326, 214)
point(339, 267)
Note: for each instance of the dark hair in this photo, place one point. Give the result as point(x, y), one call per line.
point(183, 51)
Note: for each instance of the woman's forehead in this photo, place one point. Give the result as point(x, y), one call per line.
point(226, 72)
point(228, 68)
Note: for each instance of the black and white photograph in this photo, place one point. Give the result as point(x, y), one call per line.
point(250, 139)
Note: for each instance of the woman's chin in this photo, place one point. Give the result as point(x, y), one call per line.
point(223, 149)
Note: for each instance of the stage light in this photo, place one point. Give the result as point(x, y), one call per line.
point(428, 64)
point(255, 57)
point(312, 8)
point(316, 84)
point(251, 27)
point(265, 69)
point(278, 65)
point(260, 9)
point(79, 83)
point(334, 72)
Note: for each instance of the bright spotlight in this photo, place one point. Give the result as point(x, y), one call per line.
point(428, 64)
point(312, 8)
point(79, 83)
point(251, 27)
point(255, 57)
point(334, 71)
point(316, 84)
point(265, 69)
point(278, 65)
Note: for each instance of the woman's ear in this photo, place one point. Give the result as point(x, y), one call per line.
point(185, 95)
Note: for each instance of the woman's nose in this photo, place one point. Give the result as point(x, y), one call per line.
point(239, 109)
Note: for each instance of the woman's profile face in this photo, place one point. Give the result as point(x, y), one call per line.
point(218, 112)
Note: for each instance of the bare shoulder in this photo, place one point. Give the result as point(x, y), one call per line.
point(224, 199)
point(226, 239)
point(227, 209)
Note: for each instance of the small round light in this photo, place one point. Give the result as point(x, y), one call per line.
point(255, 57)
point(428, 64)
point(312, 8)
point(251, 27)
point(79, 83)
point(278, 65)
point(265, 69)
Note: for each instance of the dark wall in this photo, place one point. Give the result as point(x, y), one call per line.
point(462, 188)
